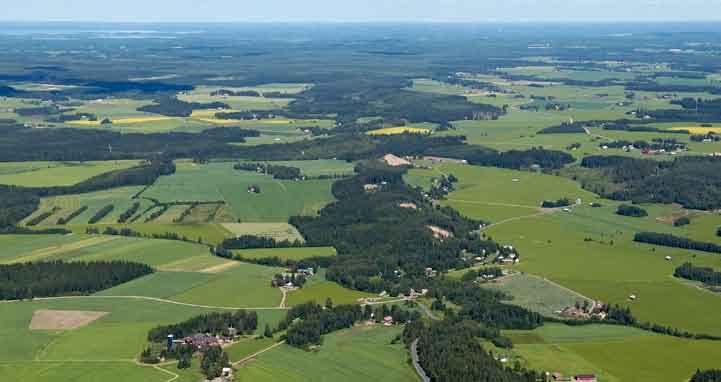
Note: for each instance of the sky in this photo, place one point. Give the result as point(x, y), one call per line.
point(359, 10)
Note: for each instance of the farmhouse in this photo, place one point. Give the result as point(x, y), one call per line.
point(201, 342)
point(395, 161)
point(387, 321)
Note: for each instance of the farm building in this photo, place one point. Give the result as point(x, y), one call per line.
point(388, 321)
point(395, 161)
point(201, 341)
point(371, 187)
point(585, 378)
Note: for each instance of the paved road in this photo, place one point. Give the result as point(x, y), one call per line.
point(416, 363)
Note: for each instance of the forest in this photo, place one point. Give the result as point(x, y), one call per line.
point(375, 237)
point(694, 182)
point(450, 351)
point(58, 278)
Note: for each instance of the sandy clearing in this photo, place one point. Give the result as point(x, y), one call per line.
point(46, 319)
point(220, 267)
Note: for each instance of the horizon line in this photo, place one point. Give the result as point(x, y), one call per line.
point(370, 21)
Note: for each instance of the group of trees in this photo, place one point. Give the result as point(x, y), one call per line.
point(278, 171)
point(58, 278)
point(632, 211)
point(450, 351)
point(103, 212)
point(213, 361)
point(245, 322)
point(705, 275)
point(669, 240)
point(307, 323)
point(563, 202)
point(173, 107)
point(125, 216)
point(711, 375)
point(694, 182)
point(375, 237)
point(565, 128)
point(67, 219)
point(316, 320)
point(252, 241)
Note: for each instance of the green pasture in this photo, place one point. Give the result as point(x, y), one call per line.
point(277, 231)
point(590, 250)
point(47, 174)
point(245, 285)
point(319, 289)
point(595, 349)
point(358, 354)
point(277, 201)
point(498, 194)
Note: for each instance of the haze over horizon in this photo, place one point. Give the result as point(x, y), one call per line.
point(363, 11)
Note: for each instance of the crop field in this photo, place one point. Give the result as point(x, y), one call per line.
point(358, 354)
point(44, 174)
point(276, 202)
point(536, 294)
point(65, 205)
point(156, 253)
point(247, 347)
point(591, 251)
point(319, 289)
point(106, 347)
point(286, 253)
point(498, 194)
point(277, 231)
point(202, 94)
point(400, 130)
point(596, 349)
point(246, 285)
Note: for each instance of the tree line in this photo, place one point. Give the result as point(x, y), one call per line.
point(245, 322)
point(58, 278)
point(277, 171)
point(693, 181)
point(705, 275)
point(669, 240)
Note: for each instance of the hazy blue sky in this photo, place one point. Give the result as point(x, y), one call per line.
point(359, 10)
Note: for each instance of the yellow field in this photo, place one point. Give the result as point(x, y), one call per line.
point(399, 130)
point(699, 130)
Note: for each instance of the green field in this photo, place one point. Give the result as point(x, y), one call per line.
point(106, 347)
point(319, 289)
point(278, 199)
point(359, 354)
point(277, 231)
point(536, 294)
point(285, 254)
point(596, 349)
point(591, 251)
point(498, 194)
point(45, 174)
point(156, 253)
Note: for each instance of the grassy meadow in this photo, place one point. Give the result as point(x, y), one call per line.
point(358, 354)
point(45, 174)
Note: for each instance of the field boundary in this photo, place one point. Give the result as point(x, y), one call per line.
point(154, 299)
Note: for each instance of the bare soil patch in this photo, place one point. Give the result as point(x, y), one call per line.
point(45, 319)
